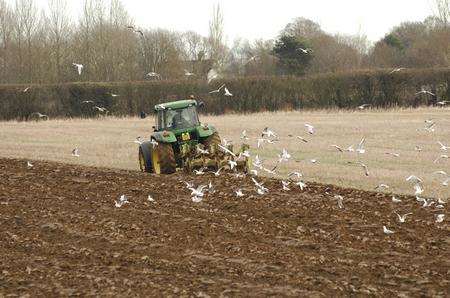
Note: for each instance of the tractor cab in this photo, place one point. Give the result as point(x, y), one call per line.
point(178, 115)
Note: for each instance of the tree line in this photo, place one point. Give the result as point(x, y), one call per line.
point(40, 46)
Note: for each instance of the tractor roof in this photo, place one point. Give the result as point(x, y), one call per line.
point(180, 104)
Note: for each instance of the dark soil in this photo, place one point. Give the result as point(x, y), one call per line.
point(61, 235)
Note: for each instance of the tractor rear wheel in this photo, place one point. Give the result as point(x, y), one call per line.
point(163, 159)
point(212, 141)
point(145, 162)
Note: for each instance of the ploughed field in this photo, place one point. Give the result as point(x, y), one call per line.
point(62, 235)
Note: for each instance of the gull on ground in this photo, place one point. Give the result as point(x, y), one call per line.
point(227, 92)
point(285, 185)
point(395, 200)
point(79, 67)
point(387, 231)
point(340, 201)
point(150, 199)
point(311, 130)
point(75, 152)
point(402, 218)
point(29, 165)
point(239, 193)
point(121, 201)
point(440, 218)
point(232, 164)
point(26, 89)
point(301, 184)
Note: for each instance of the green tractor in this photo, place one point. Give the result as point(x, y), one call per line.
point(180, 141)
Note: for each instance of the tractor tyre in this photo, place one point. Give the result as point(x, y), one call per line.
point(163, 159)
point(212, 140)
point(145, 157)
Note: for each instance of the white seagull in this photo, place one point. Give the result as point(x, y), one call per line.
point(227, 92)
point(402, 218)
point(75, 152)
point(387, 231)
point(79, 67)
point(311, 130)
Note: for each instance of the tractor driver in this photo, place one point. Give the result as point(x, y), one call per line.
point(178, 120)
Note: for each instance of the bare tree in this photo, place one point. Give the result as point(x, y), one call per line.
point(5, 40)
point(442, 11)
point(216, 36)
point(59, 32)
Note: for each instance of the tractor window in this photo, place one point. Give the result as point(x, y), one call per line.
point(181, 118)
point(159, 120)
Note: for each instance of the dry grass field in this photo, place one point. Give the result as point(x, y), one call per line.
point(109, 143)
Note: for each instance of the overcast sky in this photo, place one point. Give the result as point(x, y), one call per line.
point(265, 18)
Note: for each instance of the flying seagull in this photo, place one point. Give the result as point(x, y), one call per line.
point(40, 116)
point(227, 92)
point(402, 218)
point(79, 67)
point(425, 92)
point(362, 107)
point(397, 70)
point(217, 90)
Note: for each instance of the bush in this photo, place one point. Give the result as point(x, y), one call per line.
point(252, 94)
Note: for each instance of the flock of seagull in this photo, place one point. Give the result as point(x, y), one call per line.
point(294, 180)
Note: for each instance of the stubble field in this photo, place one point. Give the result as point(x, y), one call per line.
point(109, 143)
